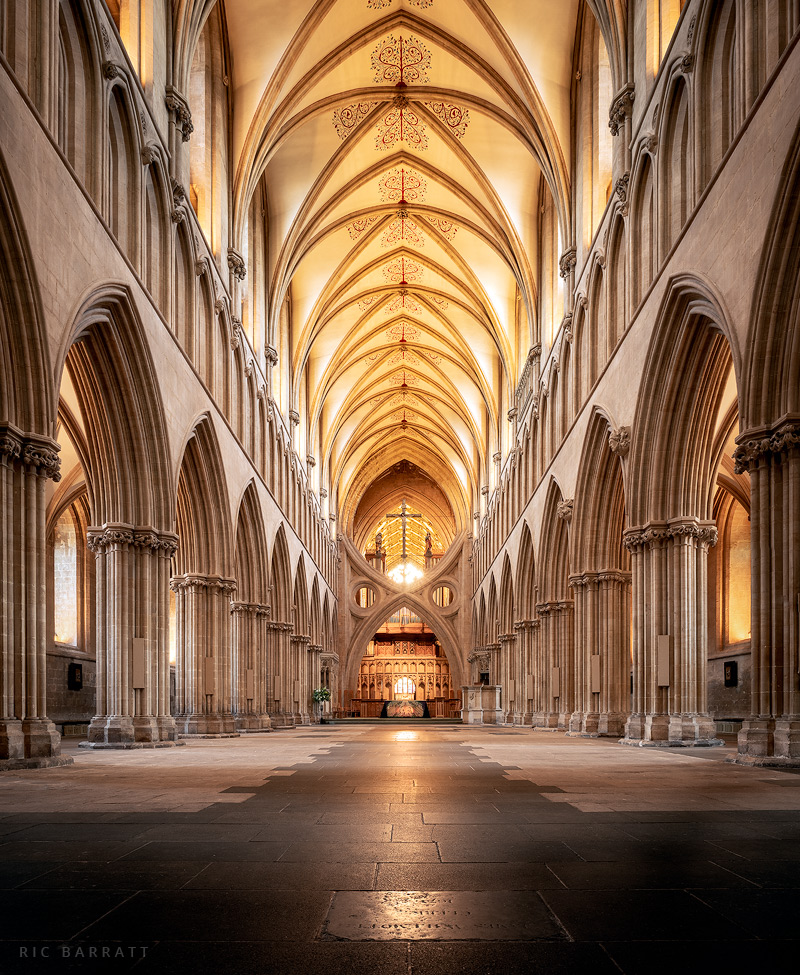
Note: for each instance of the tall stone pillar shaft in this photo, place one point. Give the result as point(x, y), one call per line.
point(670, 633)
point(772, 456)
point(203, 671)
point(249, 656)
point(27, 461)
point(526, 630)
point(132, 567)
point(557, 661)
point(508, 676)
point(281, 693)
point(602, 653)
point(300, 662)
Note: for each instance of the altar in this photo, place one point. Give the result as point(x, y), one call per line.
point(405, 709)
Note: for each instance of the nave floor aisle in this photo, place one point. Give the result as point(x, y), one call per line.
point(390, 851)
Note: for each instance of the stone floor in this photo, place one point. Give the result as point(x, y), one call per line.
point(397, 851)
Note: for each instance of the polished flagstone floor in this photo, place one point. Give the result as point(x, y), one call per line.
point(398, 851)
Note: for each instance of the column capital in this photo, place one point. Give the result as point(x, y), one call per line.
point(197, 582)
point(36, 452)
point(659, 533)
point(755, 444)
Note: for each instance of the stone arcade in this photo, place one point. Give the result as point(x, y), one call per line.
point(477, 317)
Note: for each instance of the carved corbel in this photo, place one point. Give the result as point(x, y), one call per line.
point(567, 326)
point(621, 187)
point(621, 108)
point(201, 266)
point(149, 155)
point(567, 261)
point(272, 355)
point(619, 441)
point(294, 417)
point(236, 264)
point(564, 509)
point(177, 104)
point(110, 70)
point(650, 143)
point(236, 334)
point(687, 63)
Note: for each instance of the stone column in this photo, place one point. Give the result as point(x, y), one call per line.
point(203, 672)
point(602, 653)
point(27, 461)
point(507, 674)
point(772, 456)
point(300, 685)
point(132, 571)
point(525, 670)
point(557, 661)
point(278, 664)
point(249, 666)
point(670, 633)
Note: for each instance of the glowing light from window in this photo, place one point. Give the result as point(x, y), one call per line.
point(405, 686)
point(405, 573)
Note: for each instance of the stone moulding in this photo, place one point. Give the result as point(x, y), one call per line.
point(752, 448)
point(98, 540)
point(177, 104)
point(651, 535)
point(40, 454)
point(621, 108)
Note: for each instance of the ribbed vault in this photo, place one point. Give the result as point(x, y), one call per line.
point(394, 155)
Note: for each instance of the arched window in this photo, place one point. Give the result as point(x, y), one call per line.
point(404, 688)
point(66, 580)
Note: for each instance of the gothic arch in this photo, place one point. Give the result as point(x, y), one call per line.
point(250, 554)
point(526, 576)
point(115, 381)
point(506, 603)
point(444, 630)
point(553, 558)
point(599, 510)
point(203, 512)
point(685, 375)
point(300, 600)
point(281, 579)
point(771, 385)
point(27, 398)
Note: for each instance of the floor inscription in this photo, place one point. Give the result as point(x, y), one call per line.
point(409, 915)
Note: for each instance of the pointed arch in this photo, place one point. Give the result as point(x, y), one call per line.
point(27, 398)
point(281, 579)
point(772, 381)
point(300, 603)
point(553, 558)
point(203, 511)
point(526, 576)
point(251, 546)
point(506, 603)
point(599, 509)
point(118, 394)
point(690, 358)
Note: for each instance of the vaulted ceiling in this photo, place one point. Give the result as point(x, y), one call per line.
point(403, 145)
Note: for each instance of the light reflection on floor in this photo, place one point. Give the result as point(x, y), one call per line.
point(405, 736)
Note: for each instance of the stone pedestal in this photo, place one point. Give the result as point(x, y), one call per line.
point(481, 704)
